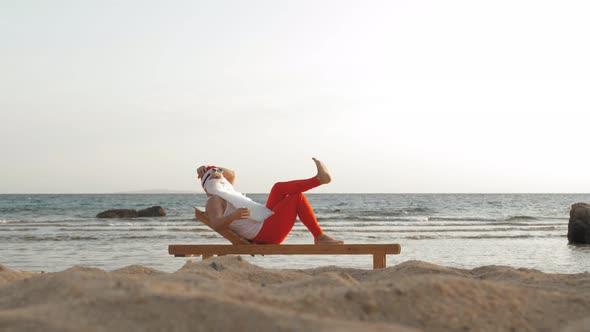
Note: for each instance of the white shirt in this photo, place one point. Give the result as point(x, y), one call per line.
point(246, 228)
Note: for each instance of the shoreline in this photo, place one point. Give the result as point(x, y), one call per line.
point(229, 293)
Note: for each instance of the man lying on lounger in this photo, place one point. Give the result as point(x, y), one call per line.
point(261, 224)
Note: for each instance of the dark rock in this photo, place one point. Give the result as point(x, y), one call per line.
point(118, 213)
point(578, 230)
point(154, 211)
point(217, 267)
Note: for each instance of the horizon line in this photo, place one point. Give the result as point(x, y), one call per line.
point(172, 192)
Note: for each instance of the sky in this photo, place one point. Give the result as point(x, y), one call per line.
point(394, 96)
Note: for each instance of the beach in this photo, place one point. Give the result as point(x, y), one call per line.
point(469, 262)
point(450, 129)
point(229, 293)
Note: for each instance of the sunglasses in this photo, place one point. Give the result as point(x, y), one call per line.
point(215, 170)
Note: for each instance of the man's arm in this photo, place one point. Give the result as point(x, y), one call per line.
point(215, 208)
point(229, 175)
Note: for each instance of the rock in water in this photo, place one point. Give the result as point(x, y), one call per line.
point(118, 213)
point(154, 211)
point(578, 230)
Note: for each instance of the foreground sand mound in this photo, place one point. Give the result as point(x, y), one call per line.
point(228, 293)
point(8, 276)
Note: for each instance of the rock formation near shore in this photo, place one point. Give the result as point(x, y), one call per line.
point(154, 211)
point(578, 230)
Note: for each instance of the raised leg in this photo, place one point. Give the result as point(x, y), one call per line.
point(281, 189)
point(287, 201)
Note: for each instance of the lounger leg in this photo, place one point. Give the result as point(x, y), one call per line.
point(206, 256)
point(379, 261)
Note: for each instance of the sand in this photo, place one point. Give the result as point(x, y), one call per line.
point(230, 294)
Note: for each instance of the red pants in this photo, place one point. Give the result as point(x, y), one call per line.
point(287, 201)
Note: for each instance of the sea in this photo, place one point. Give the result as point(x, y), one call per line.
point(54, 232)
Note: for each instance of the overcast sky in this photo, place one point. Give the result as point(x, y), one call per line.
point(394, 96)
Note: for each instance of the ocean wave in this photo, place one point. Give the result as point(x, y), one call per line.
point(384, 217)
point(141, 229)
point(541, 230)
point(385, 229)
point(138, 229)
point(400, 224)
point(59, 223)
point(551, 228)
point(18, 229)
point(420, 237)
point(521, 218)
point(66, 238)
point(462, 219)
point(491, 219)
point(146, 237)
point(519, 236)
point(394, 218)
point(108, 229)
point(371, 218)
point(59, 238)
point(377, 212)
point(481, 237)
point(8, 221)
point(190, 230)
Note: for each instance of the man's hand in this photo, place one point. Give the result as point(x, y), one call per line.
point(241, 213)
point(201, 170)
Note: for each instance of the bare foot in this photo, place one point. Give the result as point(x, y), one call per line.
point(326, 239)
point(323, 174)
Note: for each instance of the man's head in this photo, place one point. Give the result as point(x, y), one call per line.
point(209, 172)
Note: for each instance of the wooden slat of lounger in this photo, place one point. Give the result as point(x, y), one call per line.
point(283, 249)
point(379, 251)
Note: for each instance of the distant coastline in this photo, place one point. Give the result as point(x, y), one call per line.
point(156, 191)
point(166, 191)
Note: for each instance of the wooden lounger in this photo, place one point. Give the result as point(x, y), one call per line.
point(242, 246)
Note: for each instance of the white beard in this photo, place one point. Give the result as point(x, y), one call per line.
point(222, 188)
